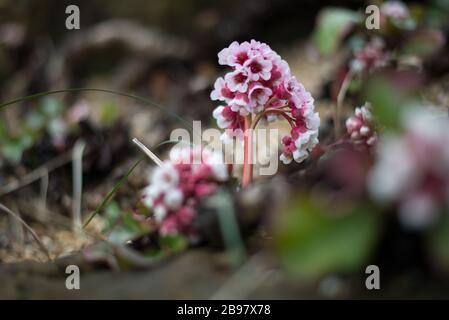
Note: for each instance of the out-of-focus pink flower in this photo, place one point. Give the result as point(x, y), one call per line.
point(179, 184)
point(260, 84)
point(361, 127)
point(371, 56)
point(79, 111)
point(394, 10)
point(412, 169)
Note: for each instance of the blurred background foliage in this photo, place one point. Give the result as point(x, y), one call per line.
point(315, 221)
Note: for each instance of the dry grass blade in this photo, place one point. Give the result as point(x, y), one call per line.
point(148, 152)
point(37, 174)
point(33, 233)
point(77, 183)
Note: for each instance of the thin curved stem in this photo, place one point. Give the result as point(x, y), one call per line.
point(278, 111)
point(30, 230)
point(249, 127)
point(123, 94)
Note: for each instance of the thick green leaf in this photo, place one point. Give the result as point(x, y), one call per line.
point(424, 43)
point(112, 214)
point(387, 101)
point(333, 24)
point(312, 241)
point(222, 203)
point(438, 241)
point(121, 235)
point(129, 229)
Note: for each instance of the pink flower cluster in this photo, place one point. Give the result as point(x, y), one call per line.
point(395, 10)
point(371, 56)
point(361, 127)
point(412, 169)
point(260, 83)
point(178, 185)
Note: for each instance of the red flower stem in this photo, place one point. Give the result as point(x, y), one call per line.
point(249, 127)
point(247, 153)
point(278, 111)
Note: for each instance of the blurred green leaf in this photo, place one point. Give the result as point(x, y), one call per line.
point(112, 214)
point(173, 243)
point(129, 229)
point(356, 42)
point(131, 224)
point(51, 107)
point(424, 43)
point(387, 102)
point(13, 150)
point(312, 241)
point(109, 114)
point(122, 226)
point(3, 132)
point(437, 13)
point(26, 141)
point(404, 24)
point(438, 241)
point(333, 23)
point(222, 203)
point(121, 235)
point(36, 121)
point(30, 130)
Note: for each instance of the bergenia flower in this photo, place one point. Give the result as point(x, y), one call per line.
point(179, 184)
point(394, 10)
point(238, 80)
point(370, 57)
point(230, 120)
point(261, 86)
point(361, 127)
point(235, 55)
point(221, 91)
point(258, 68)
point(413, 169)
